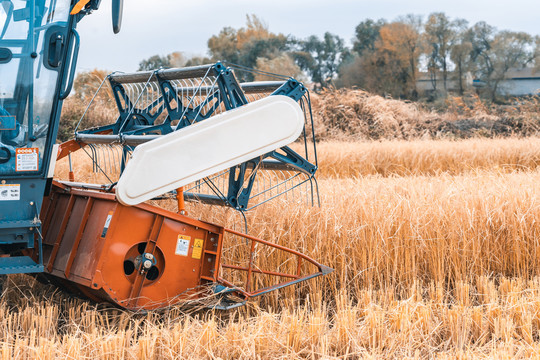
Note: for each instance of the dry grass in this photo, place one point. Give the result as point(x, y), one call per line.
point(427, 157)
point(439, 260)
point(340, 159)
point(346, 114)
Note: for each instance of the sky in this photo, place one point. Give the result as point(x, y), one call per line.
point(161, 27)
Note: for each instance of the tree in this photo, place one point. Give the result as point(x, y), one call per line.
point(495, 53)
point(460, 54)
point(355, 73)
point(173, 60)
point(198, 60)
point(224, 45)
point(391, 67)
point(440, 34)
point(367, 33)
point(397, 54)
point(537, 53)
point(177, 59)
point(321, 58)
point(508, 50)
point(481, 37)
point(245, 45)
point(154, 62)
point(283, 64)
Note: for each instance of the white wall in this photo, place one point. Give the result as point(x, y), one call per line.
point(519, 87)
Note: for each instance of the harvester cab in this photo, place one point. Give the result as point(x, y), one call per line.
point(38, 55)
point(194, 133)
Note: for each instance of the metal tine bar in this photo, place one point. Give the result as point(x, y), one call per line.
point(198, 89)
point(275, 196)
point(166, 74)
point(110, 159)
point(214, 189)
point(135, 104)
point(130, 94)
point(106, 158)
point(100, 159)
point(96, 158)
point(308, 99)
point(277, 185)
point(253, 88)
point(192, 98)
point(217, 176)
point(118, 159)
point(89, 104)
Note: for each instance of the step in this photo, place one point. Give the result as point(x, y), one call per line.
point(18, 224)
point(19, 264)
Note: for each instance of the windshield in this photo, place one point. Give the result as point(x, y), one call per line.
point(27, 86)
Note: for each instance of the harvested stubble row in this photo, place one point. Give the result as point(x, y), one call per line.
point(481, 319)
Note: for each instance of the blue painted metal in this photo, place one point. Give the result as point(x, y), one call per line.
point(20, 227)
point(19, 264)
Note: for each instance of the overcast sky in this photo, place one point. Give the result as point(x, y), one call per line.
point(162, 26)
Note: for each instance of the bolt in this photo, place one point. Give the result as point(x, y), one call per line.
point(31, 203)
point(148, 256)
point(3, 181)
point(147, 264)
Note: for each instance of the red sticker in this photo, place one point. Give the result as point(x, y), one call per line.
point(27, 159)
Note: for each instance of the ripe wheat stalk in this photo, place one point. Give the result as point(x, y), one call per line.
point(436, 254)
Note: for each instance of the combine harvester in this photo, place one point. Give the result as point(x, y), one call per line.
point(194, 133)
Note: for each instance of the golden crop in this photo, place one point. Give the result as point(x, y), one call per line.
point(436, 251)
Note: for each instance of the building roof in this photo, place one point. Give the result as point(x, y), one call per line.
point(523, 73)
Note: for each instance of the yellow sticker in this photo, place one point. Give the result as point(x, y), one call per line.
point(197, 248)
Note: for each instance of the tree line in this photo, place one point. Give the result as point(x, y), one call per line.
point(385, 57)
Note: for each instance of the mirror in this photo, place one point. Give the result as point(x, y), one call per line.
point(6, 9)
point(117, 8)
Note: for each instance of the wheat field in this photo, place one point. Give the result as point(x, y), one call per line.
point(436, 251)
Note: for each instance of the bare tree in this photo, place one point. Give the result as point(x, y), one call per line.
point(460, 53)
point(440, 36)
point(499, 52)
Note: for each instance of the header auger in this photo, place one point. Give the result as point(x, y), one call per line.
point(192, 133)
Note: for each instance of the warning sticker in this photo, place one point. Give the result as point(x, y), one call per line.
point(10, 192)
point(197, 248)
point(182, 245)
point(107, 223)
point(27, 159)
